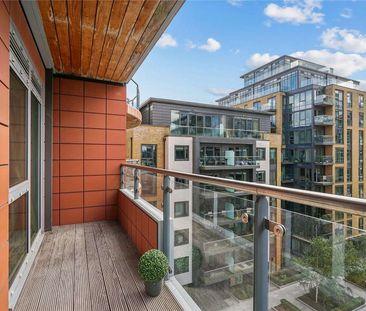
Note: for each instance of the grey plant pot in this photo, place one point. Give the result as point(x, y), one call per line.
point(153, 289)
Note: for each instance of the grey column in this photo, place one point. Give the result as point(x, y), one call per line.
point(167, 227)
point(136, 182)
point(261, 254)
point(48, 150)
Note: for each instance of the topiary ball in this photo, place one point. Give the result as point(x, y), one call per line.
point(153, 266)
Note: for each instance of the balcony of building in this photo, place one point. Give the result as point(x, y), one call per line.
point(323, 120)
point(228, 162)
point(216, 132)
point(323, 100)
point(91, 266)
point(323, 180)
point(323, 160)
point(323, 140)
point(214, 243)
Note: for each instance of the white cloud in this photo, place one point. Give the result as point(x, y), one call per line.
point(347, 40)
point(219, 91)
point(346, 13)
point(235, 2)
point(296, 12)
point(211, 45)
point(257, 59)
point(343, 64)
point(166, 40)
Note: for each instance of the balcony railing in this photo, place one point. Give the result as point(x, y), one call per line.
point(234, 250)
point(269, 107)
point(323, 100)
point(324, 160)
point(215, 132)
point(237, 161)
point(323, 140)
point(323, 120)
point(323, 179)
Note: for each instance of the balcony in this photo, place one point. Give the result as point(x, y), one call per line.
point(323, 160)
point(269, 107)
point(323, 180)
point(323, 100)
point(215, 132)
point(287, 179)
point(90, 266)
point(230, 245)
point(324, 140)
point(228, 162)
point(323, 120)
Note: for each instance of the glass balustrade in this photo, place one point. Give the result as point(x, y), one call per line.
point(318, 264)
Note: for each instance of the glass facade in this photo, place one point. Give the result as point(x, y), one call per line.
point(148, 155)
point(184, 123)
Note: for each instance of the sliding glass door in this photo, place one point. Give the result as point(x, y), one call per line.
point(24, 172)
point(35, 167)
point(18, 174)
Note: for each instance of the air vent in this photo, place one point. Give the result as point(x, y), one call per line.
point(18, 54)
point(36, 83)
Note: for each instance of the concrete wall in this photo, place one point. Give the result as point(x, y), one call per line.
point(89, 145)
point(179, 196)
point(141, 228)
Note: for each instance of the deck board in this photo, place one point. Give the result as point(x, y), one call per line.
point(88, 267)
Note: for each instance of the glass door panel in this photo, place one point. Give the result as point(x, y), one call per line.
point(18, 235)
point(18, 130)
point(18, 175)
point(35, 167)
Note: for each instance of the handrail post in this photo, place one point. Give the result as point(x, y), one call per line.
point(167, 227)
point(136, 183)
point(122, 183)
point(261, 254)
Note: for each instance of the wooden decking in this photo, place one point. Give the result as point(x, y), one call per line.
point(88, 267)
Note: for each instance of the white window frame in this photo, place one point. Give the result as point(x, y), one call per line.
point(22, 188)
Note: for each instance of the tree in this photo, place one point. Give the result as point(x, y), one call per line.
point(317, 264)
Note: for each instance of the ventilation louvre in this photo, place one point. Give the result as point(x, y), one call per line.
point(19, 54)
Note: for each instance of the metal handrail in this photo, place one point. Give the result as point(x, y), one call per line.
point(317, 199)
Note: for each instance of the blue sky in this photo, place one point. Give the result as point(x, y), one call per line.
point(209, 44)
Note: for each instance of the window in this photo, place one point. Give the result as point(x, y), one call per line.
point(181, 183)
point(361, 119)
point(349, 174)
point(261, 176)
point(181, 209)
point(181, 265)
point(349, 192)
point(360, 101)
point(349, 118)
point(261, 154)
point(181, 237)
point(273, 123)
point(257, 106)
point(339, 155)
point(339, 190)
point(360, 191)
point(148, 155)
point(349, 100)
point(181, 153)
point(339, 174)
point(273, 156)
point(272, 103)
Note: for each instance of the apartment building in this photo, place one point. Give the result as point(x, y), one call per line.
point(210, 140)
point(320, 118)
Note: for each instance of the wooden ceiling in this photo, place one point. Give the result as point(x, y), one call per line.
point(105, 39)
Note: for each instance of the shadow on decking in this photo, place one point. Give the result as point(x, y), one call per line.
point(89, 266)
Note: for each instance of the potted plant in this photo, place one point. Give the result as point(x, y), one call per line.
point(152, 267)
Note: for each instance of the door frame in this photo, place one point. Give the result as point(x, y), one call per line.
point(18, 190)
